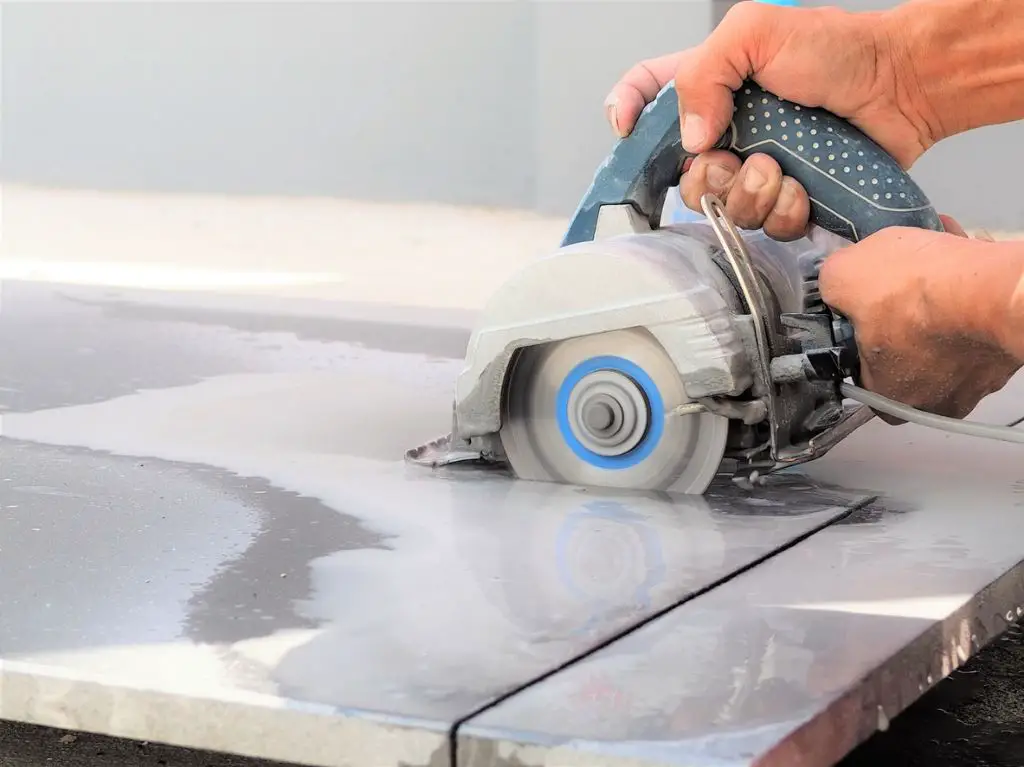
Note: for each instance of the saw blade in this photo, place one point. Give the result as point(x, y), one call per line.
point(597, 411)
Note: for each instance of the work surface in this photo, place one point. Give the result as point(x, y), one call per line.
point(209, 538)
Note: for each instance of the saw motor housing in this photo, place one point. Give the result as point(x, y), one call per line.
point(676, 284)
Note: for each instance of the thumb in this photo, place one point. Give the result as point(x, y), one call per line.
point(705, 101)
point(952, 226)
point(837, 277)
point(709, 74)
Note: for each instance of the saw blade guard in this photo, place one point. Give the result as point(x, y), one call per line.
point(663, 282)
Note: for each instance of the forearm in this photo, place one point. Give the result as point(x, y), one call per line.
point(961, 62)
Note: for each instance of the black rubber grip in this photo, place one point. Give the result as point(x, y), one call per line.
point(856, 188)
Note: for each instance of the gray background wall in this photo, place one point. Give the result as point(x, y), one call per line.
point(486, 102)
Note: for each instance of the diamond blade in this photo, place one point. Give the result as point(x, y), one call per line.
point(596, 411)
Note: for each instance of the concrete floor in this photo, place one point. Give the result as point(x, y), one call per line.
point(975, 717)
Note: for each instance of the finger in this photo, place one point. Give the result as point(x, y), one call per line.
point(636, 89)
point(838, 278)
point(705, 105)
point(755, 192)
point(952, 226)
point(791, 213)
point(713, 172)
point(707, 76)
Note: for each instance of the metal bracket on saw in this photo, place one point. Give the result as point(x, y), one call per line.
point(739, 260)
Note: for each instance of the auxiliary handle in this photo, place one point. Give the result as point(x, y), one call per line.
point(856, 188)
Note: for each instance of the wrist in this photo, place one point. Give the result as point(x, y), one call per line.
point(957, 64)
point(918, 95)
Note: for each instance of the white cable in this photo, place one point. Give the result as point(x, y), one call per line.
point(932, 421)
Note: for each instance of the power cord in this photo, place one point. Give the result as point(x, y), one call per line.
point(932, 421)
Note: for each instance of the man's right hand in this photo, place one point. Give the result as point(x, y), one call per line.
point(852, 64)
point(936, 315)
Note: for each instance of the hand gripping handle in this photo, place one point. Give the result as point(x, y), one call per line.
point(856, 188)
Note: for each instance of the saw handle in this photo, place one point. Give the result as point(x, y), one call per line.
point(855, 187)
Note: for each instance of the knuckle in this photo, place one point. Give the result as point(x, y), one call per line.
point(643, 69)
point(743, 16)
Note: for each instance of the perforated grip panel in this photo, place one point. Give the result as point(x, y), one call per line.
point(856, 188)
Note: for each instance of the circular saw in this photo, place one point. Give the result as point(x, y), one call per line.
point(649, 357)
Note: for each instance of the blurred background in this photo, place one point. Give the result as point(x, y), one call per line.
point(484, 103)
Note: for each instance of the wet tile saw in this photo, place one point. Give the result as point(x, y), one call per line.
point(655, 358)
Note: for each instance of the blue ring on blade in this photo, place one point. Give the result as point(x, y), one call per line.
point(655, 422)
